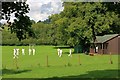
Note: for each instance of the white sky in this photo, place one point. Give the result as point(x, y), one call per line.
point(41, 9)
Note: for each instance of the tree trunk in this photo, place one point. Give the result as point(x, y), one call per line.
point(94, 36)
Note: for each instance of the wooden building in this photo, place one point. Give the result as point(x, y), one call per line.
point(106, 44)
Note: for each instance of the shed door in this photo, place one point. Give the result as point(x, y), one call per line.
point(105, 48)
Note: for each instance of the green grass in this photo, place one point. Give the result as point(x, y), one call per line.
point(36, 67)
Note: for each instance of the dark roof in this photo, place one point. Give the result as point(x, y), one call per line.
point(102, 39)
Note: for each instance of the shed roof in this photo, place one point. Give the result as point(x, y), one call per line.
point(102, 39)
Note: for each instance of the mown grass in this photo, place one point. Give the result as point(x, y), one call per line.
point(64, 67)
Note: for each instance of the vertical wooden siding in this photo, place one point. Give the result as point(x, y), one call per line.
point(113, 45)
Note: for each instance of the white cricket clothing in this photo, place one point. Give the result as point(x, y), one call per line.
point(33, 51)
point(30, 51)
point(23, 51)
point(16, 53)
point(60, 53)
point(70, 52)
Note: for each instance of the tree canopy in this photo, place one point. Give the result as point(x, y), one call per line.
point(22, 24)
point(80, 22)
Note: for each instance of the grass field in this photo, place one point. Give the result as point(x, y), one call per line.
point(64, 67)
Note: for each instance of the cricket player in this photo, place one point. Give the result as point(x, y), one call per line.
point(30, 51)
point(33, 51)
point(70, 53)
point(23, 51)
point(60, 53)
point(16, 53)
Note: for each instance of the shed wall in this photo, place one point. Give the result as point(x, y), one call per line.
point(113, 46)
point(119, 44)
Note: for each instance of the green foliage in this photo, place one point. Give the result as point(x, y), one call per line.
point(77, 24)
point(80, 22)
point(43, 33)
point(21, 27)
point(33, 22)
point(22, 24)
point(8, 38)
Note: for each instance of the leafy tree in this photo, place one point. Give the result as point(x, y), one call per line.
point(22, 24)
point(84, 21)
point(33, 22)
point(114, 7)
point(43, 32)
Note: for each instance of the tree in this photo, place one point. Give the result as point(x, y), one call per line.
point(33, 22)
point(22, 24)
point(43, 33)
point(84, 21)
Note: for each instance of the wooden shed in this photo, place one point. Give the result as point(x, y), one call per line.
point(106, 44)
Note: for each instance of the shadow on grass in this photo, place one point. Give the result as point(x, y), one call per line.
point(90, 75)
point(93, 75)
point(10, 71)
point(73, 53)
point(66, 53)
point(62, 47)
point(98, 74)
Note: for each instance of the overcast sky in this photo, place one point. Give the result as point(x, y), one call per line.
point(41, 9)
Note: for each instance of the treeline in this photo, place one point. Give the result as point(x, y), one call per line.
point(78, 24)
point(43, 36)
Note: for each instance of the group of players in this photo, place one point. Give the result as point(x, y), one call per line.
point(17, 51)
point(32, 51)
point(60, 52)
